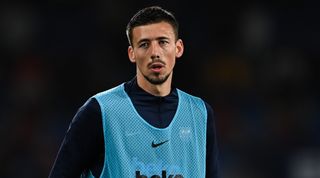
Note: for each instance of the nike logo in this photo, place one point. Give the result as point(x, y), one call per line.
point(155, 145)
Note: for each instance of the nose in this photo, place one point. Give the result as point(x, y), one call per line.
point(154, 50)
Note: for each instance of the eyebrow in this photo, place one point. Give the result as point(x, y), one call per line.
point(147, 39)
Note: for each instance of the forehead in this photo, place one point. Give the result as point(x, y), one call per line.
point(152, 31)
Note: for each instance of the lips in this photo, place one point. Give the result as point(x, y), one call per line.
point(156, 66)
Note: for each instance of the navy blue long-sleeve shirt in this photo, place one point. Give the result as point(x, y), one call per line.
point(83, 145)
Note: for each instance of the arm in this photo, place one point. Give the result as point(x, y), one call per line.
point(212, 164)
point(83, 143)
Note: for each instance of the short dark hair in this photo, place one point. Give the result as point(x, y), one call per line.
point(150, 15)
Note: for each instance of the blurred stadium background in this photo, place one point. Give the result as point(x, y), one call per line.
point(256, 63)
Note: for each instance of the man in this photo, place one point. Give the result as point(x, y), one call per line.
point(145, 127)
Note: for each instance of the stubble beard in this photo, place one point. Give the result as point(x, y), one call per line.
point(157, 80)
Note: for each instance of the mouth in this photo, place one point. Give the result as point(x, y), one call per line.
point(156, 67)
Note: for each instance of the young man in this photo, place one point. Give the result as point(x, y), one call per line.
point(144, 128)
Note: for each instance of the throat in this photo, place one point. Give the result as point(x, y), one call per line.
point(162, 89)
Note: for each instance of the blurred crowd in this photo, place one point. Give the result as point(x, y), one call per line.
point(257, 64)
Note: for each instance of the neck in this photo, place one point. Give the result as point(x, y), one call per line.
point(156, 90)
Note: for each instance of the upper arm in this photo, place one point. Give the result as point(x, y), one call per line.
point(212, 163)
point(82, 142)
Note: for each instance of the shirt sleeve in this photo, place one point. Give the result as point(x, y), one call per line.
point(212, 164)
point(82, 144)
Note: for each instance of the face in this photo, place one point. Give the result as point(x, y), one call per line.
point(154, 50)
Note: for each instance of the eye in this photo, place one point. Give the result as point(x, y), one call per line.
point(163, 42)
point(143, 45)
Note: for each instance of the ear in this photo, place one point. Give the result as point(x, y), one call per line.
point(179, 48)
point(131, 54)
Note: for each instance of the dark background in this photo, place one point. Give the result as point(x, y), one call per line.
point(256, 63)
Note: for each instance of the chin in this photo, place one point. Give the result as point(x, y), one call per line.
point(157, 80)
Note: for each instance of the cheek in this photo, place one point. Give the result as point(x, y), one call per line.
point(172, 60)
point(171, 63)
point(141, 63)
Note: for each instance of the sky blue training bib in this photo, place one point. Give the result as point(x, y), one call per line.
point(136, 149)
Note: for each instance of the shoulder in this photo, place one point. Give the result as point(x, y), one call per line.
point(208, 107)
point(109, 91)
point(90, 107)
point(191, 96)
point(111, 94)
point(199, 99)
point(194, 97)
